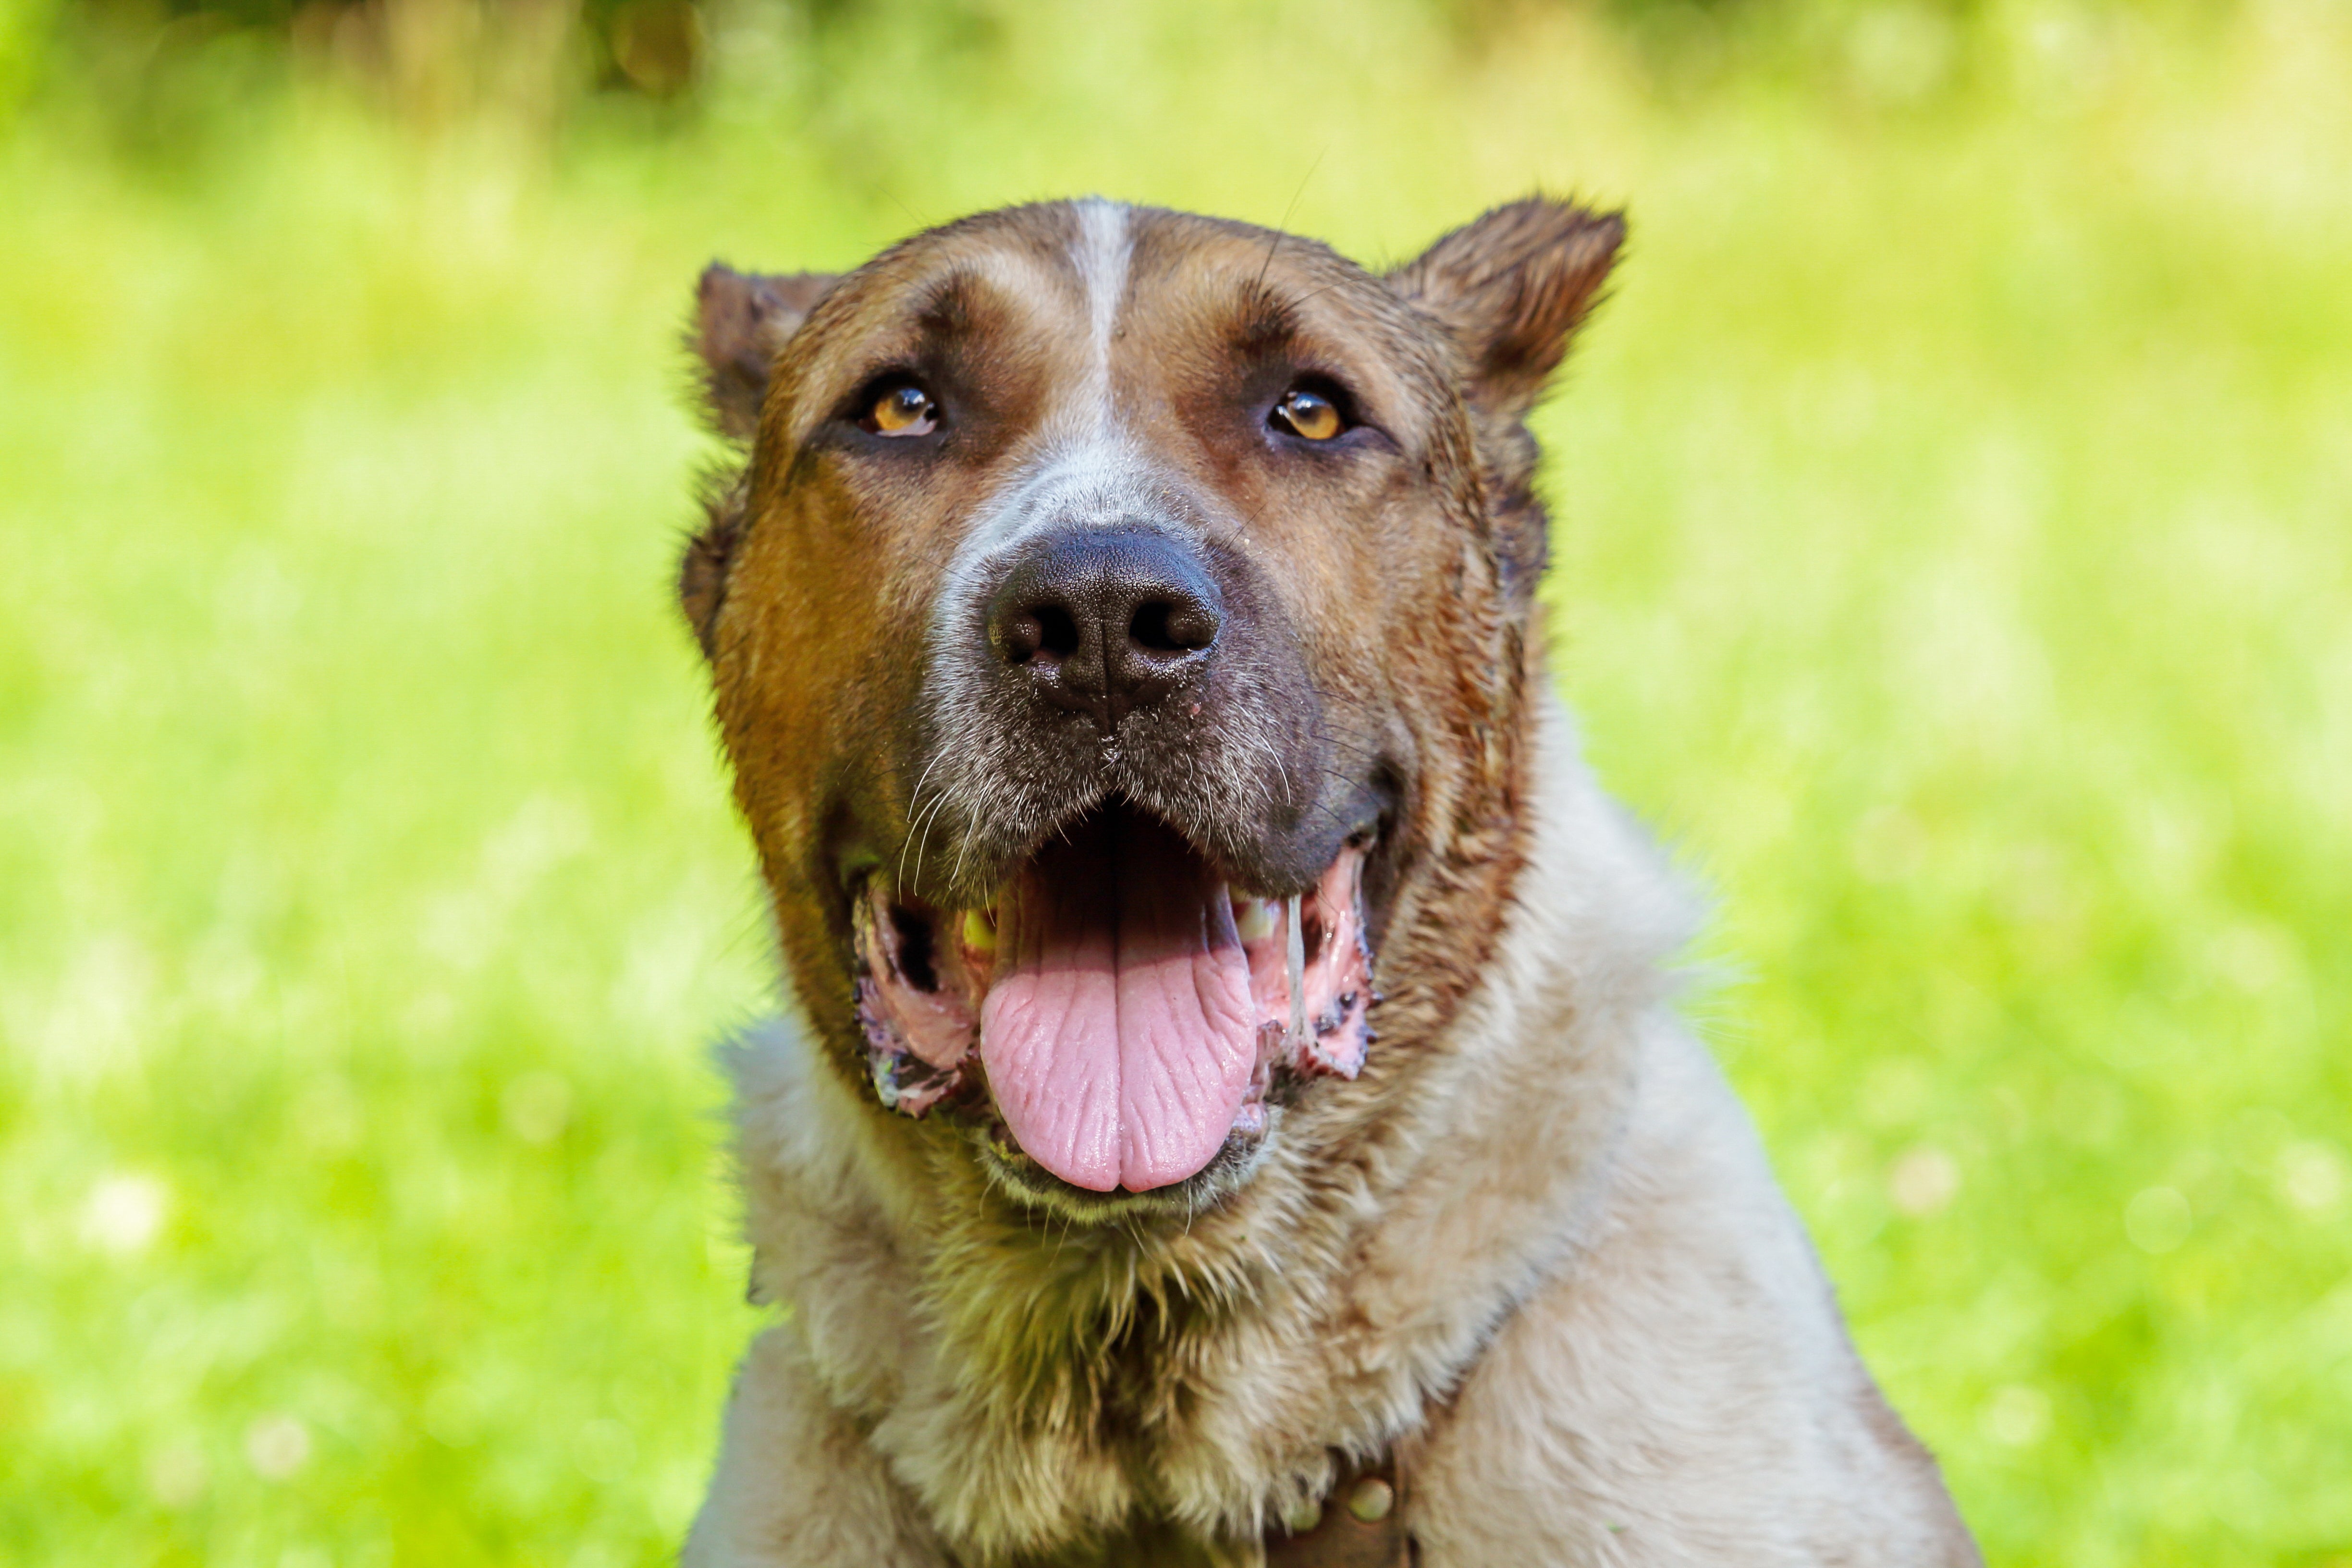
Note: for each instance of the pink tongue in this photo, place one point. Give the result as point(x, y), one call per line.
point(1118, 1033)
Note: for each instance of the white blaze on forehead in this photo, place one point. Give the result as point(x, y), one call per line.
point(1086, 469)
point(1083, 429)
point(1102, 253)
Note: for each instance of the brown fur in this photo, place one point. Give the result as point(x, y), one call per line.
point(1537, 1174)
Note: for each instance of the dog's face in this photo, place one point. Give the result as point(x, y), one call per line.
point(1119, 635)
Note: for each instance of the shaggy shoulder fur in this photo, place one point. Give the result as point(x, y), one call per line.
point(1564, 1241)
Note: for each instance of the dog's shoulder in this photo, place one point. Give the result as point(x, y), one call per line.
point(1686, 1388)
point(818, 1217)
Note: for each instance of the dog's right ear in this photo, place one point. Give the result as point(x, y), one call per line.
point(742, 321)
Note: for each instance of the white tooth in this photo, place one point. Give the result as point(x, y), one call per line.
point(979, 930)
point(1298, 943)
point(1253, 918)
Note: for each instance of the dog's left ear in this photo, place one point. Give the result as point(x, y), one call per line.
point(1512, 286)
point(742, 321)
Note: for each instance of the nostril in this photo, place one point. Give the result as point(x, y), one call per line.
point(1150, 628)
point(1047, 629)
point(1164, 627)
point(1057, 631)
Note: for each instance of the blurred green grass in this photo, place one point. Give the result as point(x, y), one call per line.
point(1953, 560)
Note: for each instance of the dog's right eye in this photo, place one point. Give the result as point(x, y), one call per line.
point(901, 409)
point(1306, 413)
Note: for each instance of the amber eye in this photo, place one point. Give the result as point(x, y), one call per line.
point(903, 410)
point(1309, 414)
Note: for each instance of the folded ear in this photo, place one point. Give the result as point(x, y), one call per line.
point(742, 321)
point(1512, 285)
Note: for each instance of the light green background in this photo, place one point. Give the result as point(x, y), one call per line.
point(1954, 562)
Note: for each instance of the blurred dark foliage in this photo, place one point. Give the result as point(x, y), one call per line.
point(659, 48)
point(162, 77)
point(653, 46)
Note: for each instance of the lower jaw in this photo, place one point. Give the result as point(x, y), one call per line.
point(1021, 1180)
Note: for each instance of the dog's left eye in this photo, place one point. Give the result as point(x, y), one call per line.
point(1308, 415)
point(905, 409)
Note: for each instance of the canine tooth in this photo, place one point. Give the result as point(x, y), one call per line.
point(979, 930)
point(1253, 918)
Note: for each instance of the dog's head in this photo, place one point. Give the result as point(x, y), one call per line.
point(1119, 633)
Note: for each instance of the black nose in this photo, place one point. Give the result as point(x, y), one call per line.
point(1106, 620)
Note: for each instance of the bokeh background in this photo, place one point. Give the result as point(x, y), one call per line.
point(1954, 562)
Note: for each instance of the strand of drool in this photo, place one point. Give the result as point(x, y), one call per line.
point(1296, 943)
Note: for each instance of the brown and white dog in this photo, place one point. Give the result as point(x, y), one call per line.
point(1234, 1058)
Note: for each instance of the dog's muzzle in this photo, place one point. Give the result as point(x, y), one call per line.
point(1143, 924)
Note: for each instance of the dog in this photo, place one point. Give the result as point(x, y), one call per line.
point(1232, 1108)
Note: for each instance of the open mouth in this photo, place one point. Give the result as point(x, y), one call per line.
point(1124, 1010)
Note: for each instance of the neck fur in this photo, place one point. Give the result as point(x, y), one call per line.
point(1034, 1384)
